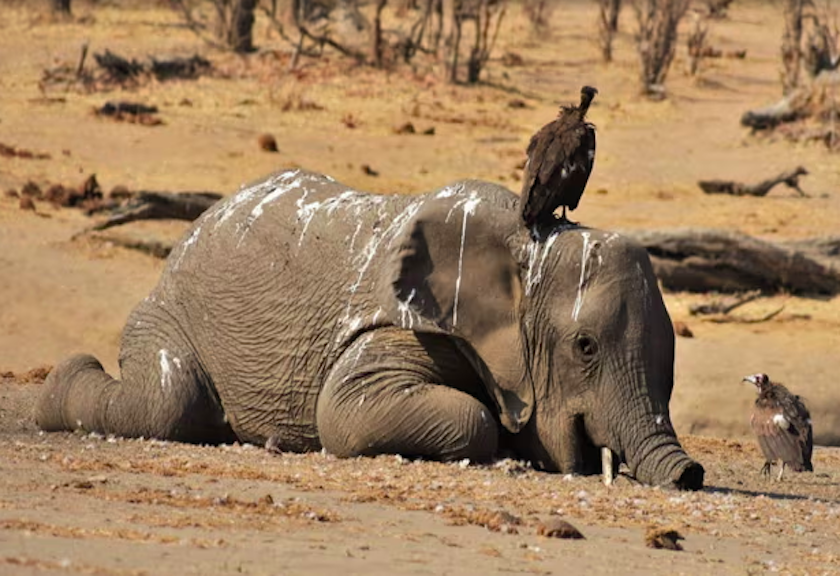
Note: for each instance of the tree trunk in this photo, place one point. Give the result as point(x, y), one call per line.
point(792, 44)
point(61, 7)
point(242, 24)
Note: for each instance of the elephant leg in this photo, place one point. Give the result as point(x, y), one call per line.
point(391, 393)
point(164, 392)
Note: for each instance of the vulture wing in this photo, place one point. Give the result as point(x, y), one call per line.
point(781, 436)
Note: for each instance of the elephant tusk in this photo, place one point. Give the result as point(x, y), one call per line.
point(607, 466)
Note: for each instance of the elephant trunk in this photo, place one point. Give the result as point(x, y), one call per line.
point(659, 459)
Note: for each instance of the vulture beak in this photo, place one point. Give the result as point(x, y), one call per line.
point(754, 379)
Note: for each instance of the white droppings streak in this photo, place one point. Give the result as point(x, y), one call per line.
point(271, 197)
point(186, 246)
point(228, 208)
point(166, 370)
point(587, 247)
point(364, 259)
point(450, 191)
point(537, 253)
point(406, 314)
point(469, 207)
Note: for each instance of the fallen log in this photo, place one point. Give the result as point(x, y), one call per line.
point(703, 260)
point(789, 178)
point(158, 206)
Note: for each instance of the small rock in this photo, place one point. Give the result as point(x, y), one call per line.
point(32, 190)
point(11, 193)
point(407, 128)
point(369, 171)
point(429, 131)
point(557, 528)
point(517, 103)
point(664, 538)
point(512, 59)
point(26, 203)
point(267, 142)
point(682, 329)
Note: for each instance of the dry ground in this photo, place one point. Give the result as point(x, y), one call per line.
point(145, 506)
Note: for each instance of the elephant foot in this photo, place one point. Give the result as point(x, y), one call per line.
point(691, 477)
point(53, 411)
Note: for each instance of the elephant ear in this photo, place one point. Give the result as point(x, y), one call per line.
point(452, 272)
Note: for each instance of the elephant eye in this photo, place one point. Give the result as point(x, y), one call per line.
point(587, 346)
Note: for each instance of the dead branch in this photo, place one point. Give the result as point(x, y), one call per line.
point(703, 260)
point(737, 320)
point(724, 306)
point(154, 248)
point(158, 206)
point(789, 179)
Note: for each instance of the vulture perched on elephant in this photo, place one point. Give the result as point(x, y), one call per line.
point(782, 424)
point(560, 159)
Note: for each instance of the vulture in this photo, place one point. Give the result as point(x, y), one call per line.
point(560, 159)
point(782, 424)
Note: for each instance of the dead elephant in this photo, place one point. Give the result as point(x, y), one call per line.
point(306, 315)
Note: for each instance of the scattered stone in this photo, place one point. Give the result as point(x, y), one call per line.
point(26, 203)
point(429, 131)
point(267, 142)
point(369, 171)
point(517, 103)
point(11, 193)
point(407, 128)
point(682, 329)
point(12, 152)
point(350, 120)
point(558, 528)
point(33, 375)
point(32, 190)
point(664, 538)
point(511, 59)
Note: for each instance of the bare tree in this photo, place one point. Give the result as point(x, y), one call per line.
point(822, 40)
point(657, 40)
point(234, 22)
point(487, 15)
point(538, 12)
point(792, 44)
point(697, 41)
point(607, 26)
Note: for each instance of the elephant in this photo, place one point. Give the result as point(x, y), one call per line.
point(303, 315)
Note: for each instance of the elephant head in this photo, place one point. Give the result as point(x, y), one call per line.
point(567, 328)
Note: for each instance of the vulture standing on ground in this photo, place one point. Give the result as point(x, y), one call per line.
point(560, 158)
point(783, 426)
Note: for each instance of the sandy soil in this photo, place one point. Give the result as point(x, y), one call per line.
point(144, 506)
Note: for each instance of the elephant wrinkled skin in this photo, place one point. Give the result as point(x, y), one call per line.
point(304, 315)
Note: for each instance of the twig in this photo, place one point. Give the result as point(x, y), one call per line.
point(732, 319)
point(721, 307)
point(81, 67)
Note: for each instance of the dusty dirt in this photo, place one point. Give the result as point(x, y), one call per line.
point(71, 503)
